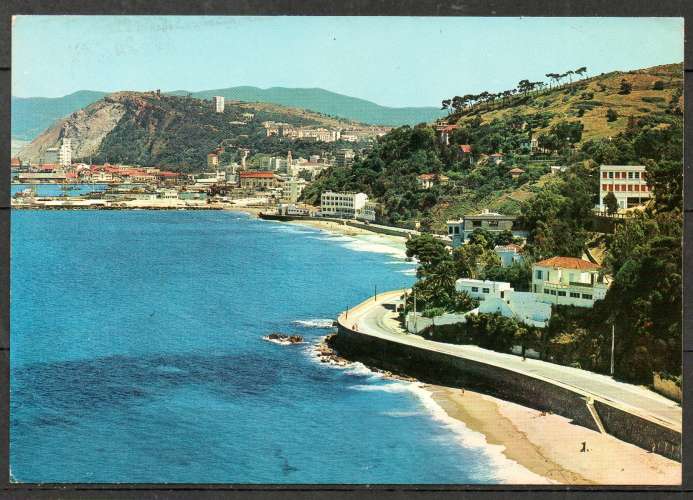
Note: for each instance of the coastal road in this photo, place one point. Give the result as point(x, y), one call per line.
point(374, 317)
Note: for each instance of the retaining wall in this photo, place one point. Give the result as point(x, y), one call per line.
point(446, 369)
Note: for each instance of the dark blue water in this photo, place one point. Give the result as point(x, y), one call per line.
point(137, 357)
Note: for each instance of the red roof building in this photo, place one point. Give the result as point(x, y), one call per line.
point(568, 263)
point(465, 148)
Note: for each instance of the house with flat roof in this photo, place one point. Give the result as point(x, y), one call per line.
point(460, 230)
point(627, 182)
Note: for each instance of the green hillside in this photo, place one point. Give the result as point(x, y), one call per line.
point(32, 115)
point(569, 122)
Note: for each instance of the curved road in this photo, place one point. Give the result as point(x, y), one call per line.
point(376, 317)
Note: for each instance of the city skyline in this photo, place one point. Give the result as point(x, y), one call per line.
point(395, 62)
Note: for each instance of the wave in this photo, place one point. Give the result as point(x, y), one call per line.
point(282, 341)
point(401, 414)
point(408, 272)
point(504, 469)
point(314, 323)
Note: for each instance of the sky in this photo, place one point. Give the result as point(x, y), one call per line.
point(395, 61)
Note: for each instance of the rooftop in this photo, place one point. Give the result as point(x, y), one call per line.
point(568, 263)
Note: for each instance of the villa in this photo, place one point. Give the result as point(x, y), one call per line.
point(568, 281)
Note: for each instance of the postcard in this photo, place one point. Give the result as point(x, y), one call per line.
point(346, 250)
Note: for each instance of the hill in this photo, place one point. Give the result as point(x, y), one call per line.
point(176, 132)
point(599, 119)
point(32, 115)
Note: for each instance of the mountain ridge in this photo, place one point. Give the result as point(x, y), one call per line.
point(33, 115)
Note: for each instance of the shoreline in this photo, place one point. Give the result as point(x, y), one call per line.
point(543, 445)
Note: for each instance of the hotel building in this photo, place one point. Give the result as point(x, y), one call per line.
point(627, 182)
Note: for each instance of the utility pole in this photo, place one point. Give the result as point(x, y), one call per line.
point(375, 295)
point(613, 339)
point(415, 310)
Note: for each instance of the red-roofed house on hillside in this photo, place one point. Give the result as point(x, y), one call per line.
point(261, 180)
point(444, 132)
point(465, 153)
point(516, 172)
point(568, 281)
point(497, 158)
point(427, 181)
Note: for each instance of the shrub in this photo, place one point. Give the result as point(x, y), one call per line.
point(611, 115)
point(653, 99)
point(625, 87)
point(658, 85)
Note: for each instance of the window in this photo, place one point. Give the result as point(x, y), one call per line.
point(630, 175)
point(449, 229)
point(484, 290)
point(575, 295)
point(603, 175)
point(605, 187)
point(586, 296)
point(553, 292)
point(630, 187)
point(457, 229)
point(561, 294)
point(546, 291)
point(493, 223)
point(636, 175)
point(476, 223)
point(637, 187)
point(539, 275)
point(475, 289)
point(611, 175)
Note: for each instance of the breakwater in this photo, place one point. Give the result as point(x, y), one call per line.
point(374, 228)
point(442, 368)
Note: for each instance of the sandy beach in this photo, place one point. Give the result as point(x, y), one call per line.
point(549, 445)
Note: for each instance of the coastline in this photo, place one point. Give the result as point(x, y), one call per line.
point(546, 447)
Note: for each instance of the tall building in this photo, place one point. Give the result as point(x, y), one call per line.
point(218, 103)
point(346, 205)
point(345, 157)
point(627, 182)
point(65, 153)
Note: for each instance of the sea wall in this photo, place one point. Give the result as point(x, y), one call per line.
point(446, 369)
point(380, 229)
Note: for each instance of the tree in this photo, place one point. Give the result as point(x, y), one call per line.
point(626, 87)
point(611, 115)
point(431, 253)
point(610, 203)
point(471, 260)
point(581, 70)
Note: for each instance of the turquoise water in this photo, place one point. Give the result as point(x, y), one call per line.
point(137, 356)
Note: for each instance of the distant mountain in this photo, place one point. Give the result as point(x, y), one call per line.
point(32, 115)
point(329, 103)
point(177, 132)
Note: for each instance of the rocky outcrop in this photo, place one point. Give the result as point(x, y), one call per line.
point(87, 128)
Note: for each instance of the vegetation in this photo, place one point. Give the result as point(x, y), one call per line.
point(642, 258)
point(178, 132)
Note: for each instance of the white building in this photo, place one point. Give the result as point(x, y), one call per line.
point(218, 103)
point(508, 254)
point(627, 182)
point(65, 153)
point(343, 205)
point(568, 281)
point(292, 189)
point(482, 289)
point(498, 297)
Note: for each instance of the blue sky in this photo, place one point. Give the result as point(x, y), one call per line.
point(401, 61)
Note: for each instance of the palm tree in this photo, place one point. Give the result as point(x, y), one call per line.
point(581, 70)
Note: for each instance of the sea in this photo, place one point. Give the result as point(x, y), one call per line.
point(137, 355)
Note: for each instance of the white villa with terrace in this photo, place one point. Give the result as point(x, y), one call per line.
point(568, 281)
